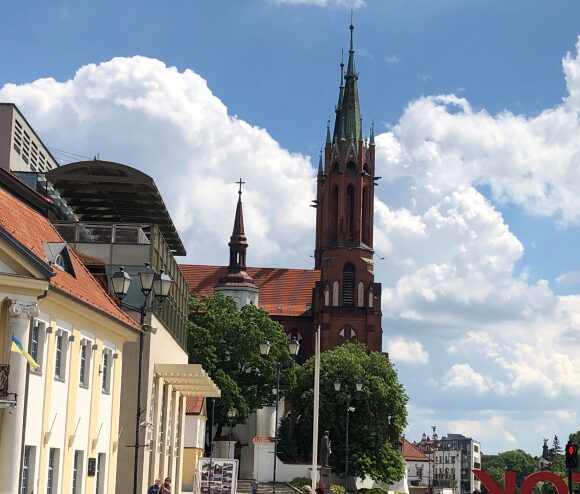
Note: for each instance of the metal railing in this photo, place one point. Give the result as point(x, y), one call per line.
point(4, 372)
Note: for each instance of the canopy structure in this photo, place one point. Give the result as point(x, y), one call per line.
point(103, 191)
point(188, 379)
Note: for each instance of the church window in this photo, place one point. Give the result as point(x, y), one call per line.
point(366, 168)
point(334, 170)
point(366, 227)
point(361, 294)
point(347, 335)
point(348, 285)
point(371, 297)
point(350, 212)
point(334, 213)
point(335, 292)
point(327, 296)
point(350, 167)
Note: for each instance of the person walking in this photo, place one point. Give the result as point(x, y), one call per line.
point(166, 487)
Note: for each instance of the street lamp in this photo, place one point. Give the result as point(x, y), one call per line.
point(293, 347)
point(349, 410)
point(232, 413)
point(151, 281)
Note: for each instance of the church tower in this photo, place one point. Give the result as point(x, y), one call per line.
point(347, 301)
point(237, 283)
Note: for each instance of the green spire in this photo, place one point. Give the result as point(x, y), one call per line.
point(360, 137)
point(350, 71)
point(320, 172)
point(338, 119)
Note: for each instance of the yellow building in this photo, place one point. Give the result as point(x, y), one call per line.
point(59, 423)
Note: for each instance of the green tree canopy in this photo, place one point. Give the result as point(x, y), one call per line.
point(376, 424)
point(517, 460)
point(225, 341)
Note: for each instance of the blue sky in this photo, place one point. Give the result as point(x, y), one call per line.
point(475, 105)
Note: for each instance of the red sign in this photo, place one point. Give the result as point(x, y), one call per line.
point(509, 482)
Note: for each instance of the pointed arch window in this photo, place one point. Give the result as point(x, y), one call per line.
point(348, 285)
point(366, 227)
point(347, 335)
point(371, 297)
point(361, 294)
point(350, 167)
point(326, 296)
point(335, 169)
point(335, 293)
point(350, 212)
point(334, 213)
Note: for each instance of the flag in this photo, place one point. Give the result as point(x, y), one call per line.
point(18, 348)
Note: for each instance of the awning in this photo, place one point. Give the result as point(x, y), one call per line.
point(188, 379)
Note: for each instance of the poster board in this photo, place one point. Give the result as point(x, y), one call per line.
point(221, 479)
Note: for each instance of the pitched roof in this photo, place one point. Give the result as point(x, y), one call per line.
point(412, 453)
point(194, 405)
point(283, 292)
point(33, 230)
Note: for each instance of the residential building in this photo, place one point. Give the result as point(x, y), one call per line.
point(59, 423)
point(417, 465)
point(453, 458)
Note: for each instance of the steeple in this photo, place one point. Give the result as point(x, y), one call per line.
point(237, 275)
point(348, 110)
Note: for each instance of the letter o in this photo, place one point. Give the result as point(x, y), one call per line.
point(531, 480)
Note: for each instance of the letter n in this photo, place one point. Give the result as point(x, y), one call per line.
point(509, 482)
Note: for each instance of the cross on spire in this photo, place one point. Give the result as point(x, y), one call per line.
point(240, 183)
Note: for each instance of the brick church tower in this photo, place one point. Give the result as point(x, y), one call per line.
point(346, 301)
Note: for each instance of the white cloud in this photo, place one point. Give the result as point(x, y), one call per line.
point(355, 4)
point(170, 125)
point(569, 278)
point(409, 352)
point(392, 59)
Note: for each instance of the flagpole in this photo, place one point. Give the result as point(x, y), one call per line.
point(314, 471)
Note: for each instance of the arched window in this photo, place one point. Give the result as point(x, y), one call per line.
point(326, 296)
point(334, 213)
point(335, 293)
point(366, 226)
point(335, 169)
point(371, 298)
point(347, 335)
point(348, 285)
point(361, 294)
point(350, 212)
point(350, 167)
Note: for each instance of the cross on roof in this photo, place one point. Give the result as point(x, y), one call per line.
point(240, 184)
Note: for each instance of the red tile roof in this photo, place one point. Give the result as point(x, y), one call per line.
point(284, 292)
point(412, 453)
point(194, 405)
point(33, 231)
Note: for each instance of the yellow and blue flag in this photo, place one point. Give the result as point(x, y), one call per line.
point(18, 348)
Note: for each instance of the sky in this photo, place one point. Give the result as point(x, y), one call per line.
point(476, 106)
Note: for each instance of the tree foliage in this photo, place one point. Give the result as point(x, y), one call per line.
point(225, 341)
point(376, 424)
point(517, 460)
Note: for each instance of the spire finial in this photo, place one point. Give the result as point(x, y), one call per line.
point(240, 183)
point(372, 140)
point(351, 27)
point(342, 67)
point(320, 163)
point(328, 132)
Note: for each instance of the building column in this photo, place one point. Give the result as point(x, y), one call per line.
point(180, 438)
point(19, 315)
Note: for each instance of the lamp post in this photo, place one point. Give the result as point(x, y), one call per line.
point(232, 413)
point(293, 347)
point(349, 410)
point(151, 281)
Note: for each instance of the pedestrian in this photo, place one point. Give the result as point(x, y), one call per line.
point(166, 487)
point(254, 486)
point(155, 487)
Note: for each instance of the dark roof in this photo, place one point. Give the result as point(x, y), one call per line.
point(283, 292)
point(112, 192)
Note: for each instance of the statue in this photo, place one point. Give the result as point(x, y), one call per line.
point(324, 450)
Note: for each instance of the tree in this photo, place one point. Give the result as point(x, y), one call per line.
point(517, 460)
point(225, 341)
point(556, 448)
point(376, 424)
